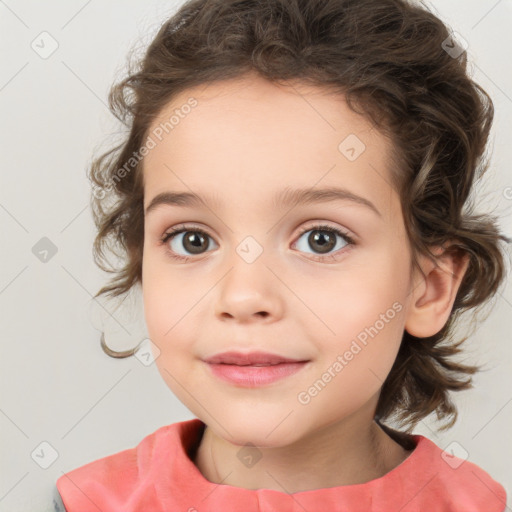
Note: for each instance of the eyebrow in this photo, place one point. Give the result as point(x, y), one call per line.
point(285, 198)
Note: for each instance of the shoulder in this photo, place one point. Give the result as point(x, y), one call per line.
point(119, 476)
point(458, 482)
point(58, 506)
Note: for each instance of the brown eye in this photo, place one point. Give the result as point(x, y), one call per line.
point(323, 240)
point(192, 241)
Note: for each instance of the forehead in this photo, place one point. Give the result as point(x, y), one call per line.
point(263, 136)
point(300, 108)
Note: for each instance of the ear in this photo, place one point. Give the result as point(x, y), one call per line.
point(434, 293)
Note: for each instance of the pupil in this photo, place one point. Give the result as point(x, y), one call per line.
point(323, 239)
point(194, 241)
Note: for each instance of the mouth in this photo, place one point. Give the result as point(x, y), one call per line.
point(253, 369)
point(250, 359)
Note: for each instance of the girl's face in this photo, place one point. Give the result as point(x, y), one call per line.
point(260, 273)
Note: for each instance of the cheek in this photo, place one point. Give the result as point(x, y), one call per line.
point(154, 300)
point(167, 314)
point(353, 367)
point(172, 311)
point(162, 290)
point(162, 304)
point(365, 312)
point(361, 300)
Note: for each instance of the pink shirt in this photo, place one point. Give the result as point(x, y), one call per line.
point(158, 475)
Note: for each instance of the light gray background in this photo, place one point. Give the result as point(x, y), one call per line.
point(57, 386)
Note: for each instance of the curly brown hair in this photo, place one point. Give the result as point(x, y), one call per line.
point(390, 60)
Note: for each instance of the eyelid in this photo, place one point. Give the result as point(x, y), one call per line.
point(180, 228)
point(318, 224)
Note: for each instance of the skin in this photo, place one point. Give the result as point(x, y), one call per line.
point(243, 142)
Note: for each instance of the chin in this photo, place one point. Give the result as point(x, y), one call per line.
point(260, 429)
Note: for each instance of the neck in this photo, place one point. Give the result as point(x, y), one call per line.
point(343, 453)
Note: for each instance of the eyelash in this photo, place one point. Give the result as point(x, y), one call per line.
point(318, 227)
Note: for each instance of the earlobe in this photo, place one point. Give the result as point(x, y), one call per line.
point(434, 292)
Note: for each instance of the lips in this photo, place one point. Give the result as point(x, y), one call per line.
point(250, 359)
point(254, 369)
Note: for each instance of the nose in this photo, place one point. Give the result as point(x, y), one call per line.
point(249, 293)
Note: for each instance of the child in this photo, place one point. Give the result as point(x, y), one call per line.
point(260, 128)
